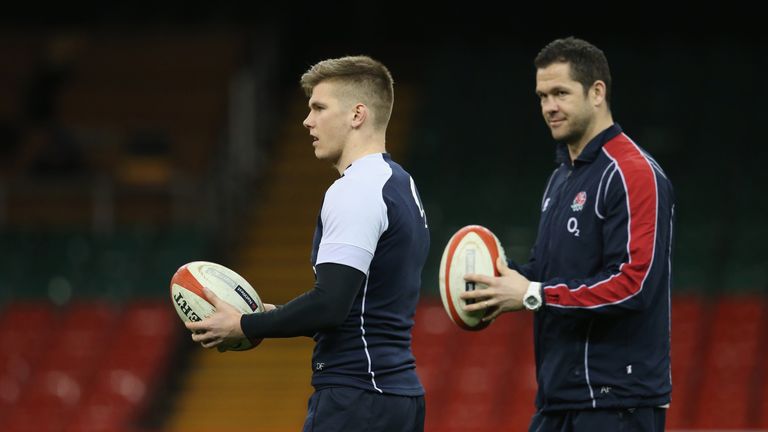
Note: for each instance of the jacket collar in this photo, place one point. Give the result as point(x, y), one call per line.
point(591, 150)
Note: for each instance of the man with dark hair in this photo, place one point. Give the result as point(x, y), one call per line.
point(369, 249)
point(598, 280)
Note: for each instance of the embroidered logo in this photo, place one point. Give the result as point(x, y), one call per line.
point(579, 201)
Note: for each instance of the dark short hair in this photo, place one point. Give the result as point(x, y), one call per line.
point(588, 62)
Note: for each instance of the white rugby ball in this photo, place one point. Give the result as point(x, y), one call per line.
point(473, 249)
point(190, 301)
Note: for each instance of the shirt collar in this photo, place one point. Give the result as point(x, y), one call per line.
point(359, 161)
point(593, 147)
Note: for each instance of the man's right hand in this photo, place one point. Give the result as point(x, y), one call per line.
point(504, 293)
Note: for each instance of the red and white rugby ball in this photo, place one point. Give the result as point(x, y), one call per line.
point(473, 249)
point(190, 301)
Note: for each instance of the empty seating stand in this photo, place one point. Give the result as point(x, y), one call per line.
point(87, 367)
point(475, 381)
point(93, 366)
point(485, 381)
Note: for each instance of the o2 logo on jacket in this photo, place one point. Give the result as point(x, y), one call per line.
point(578, 201)
point(573, 226)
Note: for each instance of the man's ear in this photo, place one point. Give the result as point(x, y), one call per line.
point(597, 93)
point(359, 115)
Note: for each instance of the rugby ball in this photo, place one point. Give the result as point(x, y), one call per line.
point(473, 249)
point(190, 301)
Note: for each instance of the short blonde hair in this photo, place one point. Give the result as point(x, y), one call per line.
point(365, 79)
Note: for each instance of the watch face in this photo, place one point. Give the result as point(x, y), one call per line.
point(531, 301)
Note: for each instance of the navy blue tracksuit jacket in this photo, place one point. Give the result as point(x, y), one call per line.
point(603, 255)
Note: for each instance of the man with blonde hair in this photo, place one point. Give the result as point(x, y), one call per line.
point(369, 249)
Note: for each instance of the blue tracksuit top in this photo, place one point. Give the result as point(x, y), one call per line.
point(603, 255)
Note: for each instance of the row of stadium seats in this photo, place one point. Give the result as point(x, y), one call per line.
point(727, 386)
point(61, 265)
point(80, 369)
point(484, 381)
point(475, 381)
point(87, 367)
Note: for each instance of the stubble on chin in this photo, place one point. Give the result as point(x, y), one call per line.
point(563, 137)
point(559, 134)
point(568, 135)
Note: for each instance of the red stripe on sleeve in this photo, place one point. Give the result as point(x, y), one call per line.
point(642, 200)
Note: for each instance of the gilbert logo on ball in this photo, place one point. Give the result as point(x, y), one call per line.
point(190, 301)
point(473, 249)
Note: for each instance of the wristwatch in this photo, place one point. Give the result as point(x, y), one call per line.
point(532, 298)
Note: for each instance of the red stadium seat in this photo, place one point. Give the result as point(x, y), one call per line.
point(24, 327)
point(729, 363)
point(47, 402)
point(688, 325)
point(518, 393)
point(24, 331)
point(97, 371)
point(432, 335)
point(43, 418)
point(759, 397)
point(491, 374)
point(81, 339)
point(102, 416)
point(152, 324)
point(132, 360)
point(111, 404)
point(26, 314)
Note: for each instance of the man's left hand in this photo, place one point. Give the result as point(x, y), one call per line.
point(223, 326)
